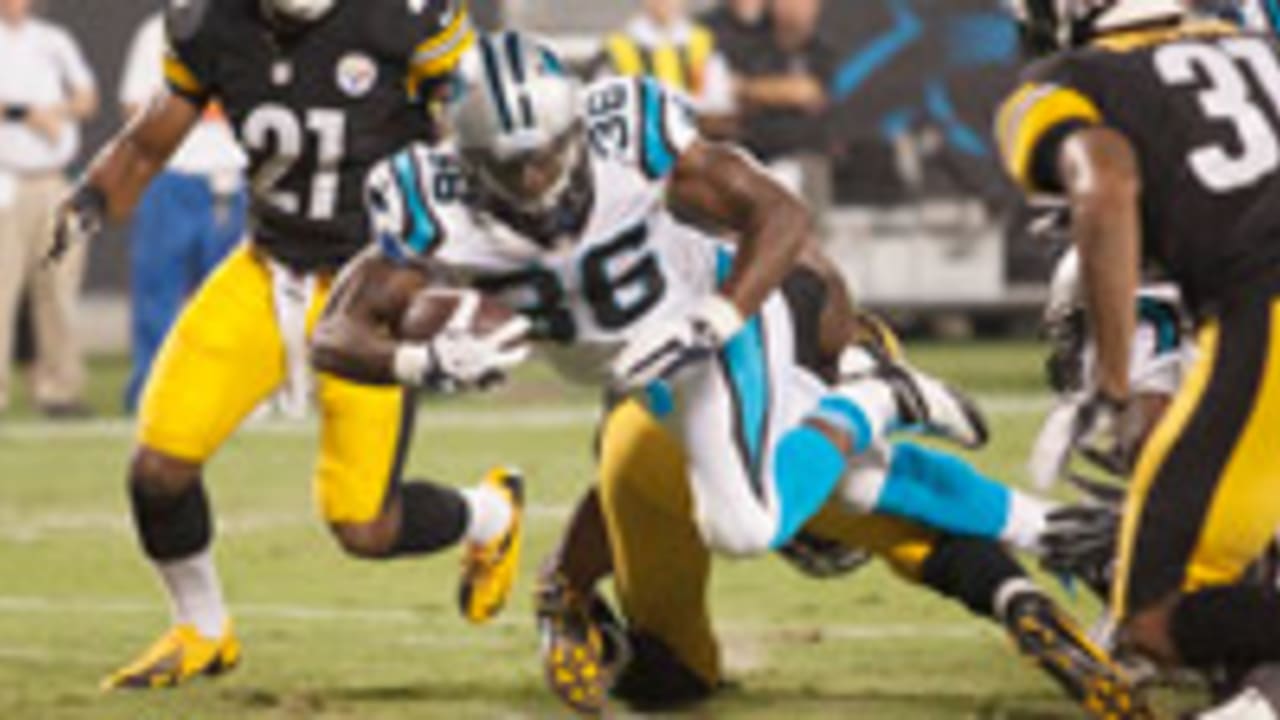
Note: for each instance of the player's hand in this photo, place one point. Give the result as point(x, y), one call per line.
point(660, 352)
point(1108, 432)
point(47, 122)
point(464, 358)
point(79, 218)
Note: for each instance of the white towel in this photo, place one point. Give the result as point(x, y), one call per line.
point(292, 294)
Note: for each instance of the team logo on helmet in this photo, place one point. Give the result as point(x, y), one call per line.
point(357, 74)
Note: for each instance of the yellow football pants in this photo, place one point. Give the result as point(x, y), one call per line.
point(661, 567)
point(1205, 497)
point(225, 355)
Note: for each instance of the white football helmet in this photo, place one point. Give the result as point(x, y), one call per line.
point(299, 11)
point(1051, 25)
point(514, 113)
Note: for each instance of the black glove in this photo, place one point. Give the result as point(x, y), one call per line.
point(1080, 541)
point(80, 217)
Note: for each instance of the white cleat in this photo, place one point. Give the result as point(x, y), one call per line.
point(925, 404)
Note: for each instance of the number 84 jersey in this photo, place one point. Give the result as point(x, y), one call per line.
point(631, 263)
point(1200, 104)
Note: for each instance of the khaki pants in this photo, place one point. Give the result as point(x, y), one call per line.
point(26, 232)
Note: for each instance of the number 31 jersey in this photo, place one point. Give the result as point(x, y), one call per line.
point(315, 107)
point(1200, 104)
point(631, 264)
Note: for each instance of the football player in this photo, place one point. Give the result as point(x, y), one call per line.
point(1193, 194)
point(317, 90)
point(581, 214)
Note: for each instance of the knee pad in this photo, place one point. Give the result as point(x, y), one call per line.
point(171, 526)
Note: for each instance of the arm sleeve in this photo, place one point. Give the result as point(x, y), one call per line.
point(449, 36)
point(1032, 124)
point(401, 214)
point(716, 97)
point(75, 69)
point(185, 70)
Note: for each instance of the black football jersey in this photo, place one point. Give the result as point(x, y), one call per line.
point(314, 109)
point(1200, 103)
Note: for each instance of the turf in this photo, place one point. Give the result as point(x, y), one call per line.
point(330, 637)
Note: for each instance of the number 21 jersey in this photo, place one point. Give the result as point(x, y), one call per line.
point(1200, 104)
point(315, 107)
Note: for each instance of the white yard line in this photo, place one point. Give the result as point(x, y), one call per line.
point(553, 417)
point(30, 527)
point(19, 605)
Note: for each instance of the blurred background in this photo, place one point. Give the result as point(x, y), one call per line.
point(879, 111)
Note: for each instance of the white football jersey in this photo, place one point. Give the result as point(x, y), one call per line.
point(632, 264)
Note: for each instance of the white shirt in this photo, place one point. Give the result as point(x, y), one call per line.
point(210, 147)
point(40, 64)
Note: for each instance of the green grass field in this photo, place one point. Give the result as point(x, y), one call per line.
point(330, 637)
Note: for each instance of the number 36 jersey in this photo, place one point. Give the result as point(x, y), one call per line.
point(315, 107)
point(1200, 104)
point(631, 264)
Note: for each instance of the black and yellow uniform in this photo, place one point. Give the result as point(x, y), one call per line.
point(314, 108)
point(1200, 104)
point(678, 65)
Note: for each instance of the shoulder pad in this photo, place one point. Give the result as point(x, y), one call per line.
point(640, 120)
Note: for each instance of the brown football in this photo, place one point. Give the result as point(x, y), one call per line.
point(431, 308)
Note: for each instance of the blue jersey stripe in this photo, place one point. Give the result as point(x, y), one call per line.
point(422, 231)
point(658, 150)
point(744, 361)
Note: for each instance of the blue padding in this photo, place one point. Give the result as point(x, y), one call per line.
point(807, 468)
point(422, 231)
point(1164, 318)
point(943, 492)
point(848, 417)
point(744, 360)
point(659, 399)
point(659, 155)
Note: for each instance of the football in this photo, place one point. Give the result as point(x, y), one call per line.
point(432, 308)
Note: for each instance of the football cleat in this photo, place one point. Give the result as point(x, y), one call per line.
point(581, 644)
point(925, 403)
point(179, 655)
point(1087, 673)
point(489, 569)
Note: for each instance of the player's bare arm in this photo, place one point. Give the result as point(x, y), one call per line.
point(126, 165)
point(123, 169)
point(355, 338)
point(1100, 176)
point(719, 184)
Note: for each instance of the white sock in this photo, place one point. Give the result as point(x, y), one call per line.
point(489, 513)
point(195, 592)
point(1008, 591)
point(1026, 522)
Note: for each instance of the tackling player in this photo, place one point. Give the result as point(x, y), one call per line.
point(317, 90)
point(1194, 195)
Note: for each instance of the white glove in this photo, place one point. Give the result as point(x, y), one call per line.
point(458, 357)
point(662, 351)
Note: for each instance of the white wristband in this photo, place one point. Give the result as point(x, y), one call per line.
point(722, 316)
point(411, 363)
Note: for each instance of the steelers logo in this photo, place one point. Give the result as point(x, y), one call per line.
point(357, 74)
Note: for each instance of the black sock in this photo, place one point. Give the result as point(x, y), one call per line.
point(171, 527)
point(1235, 626)
point(970, 570)
point(431, 517)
